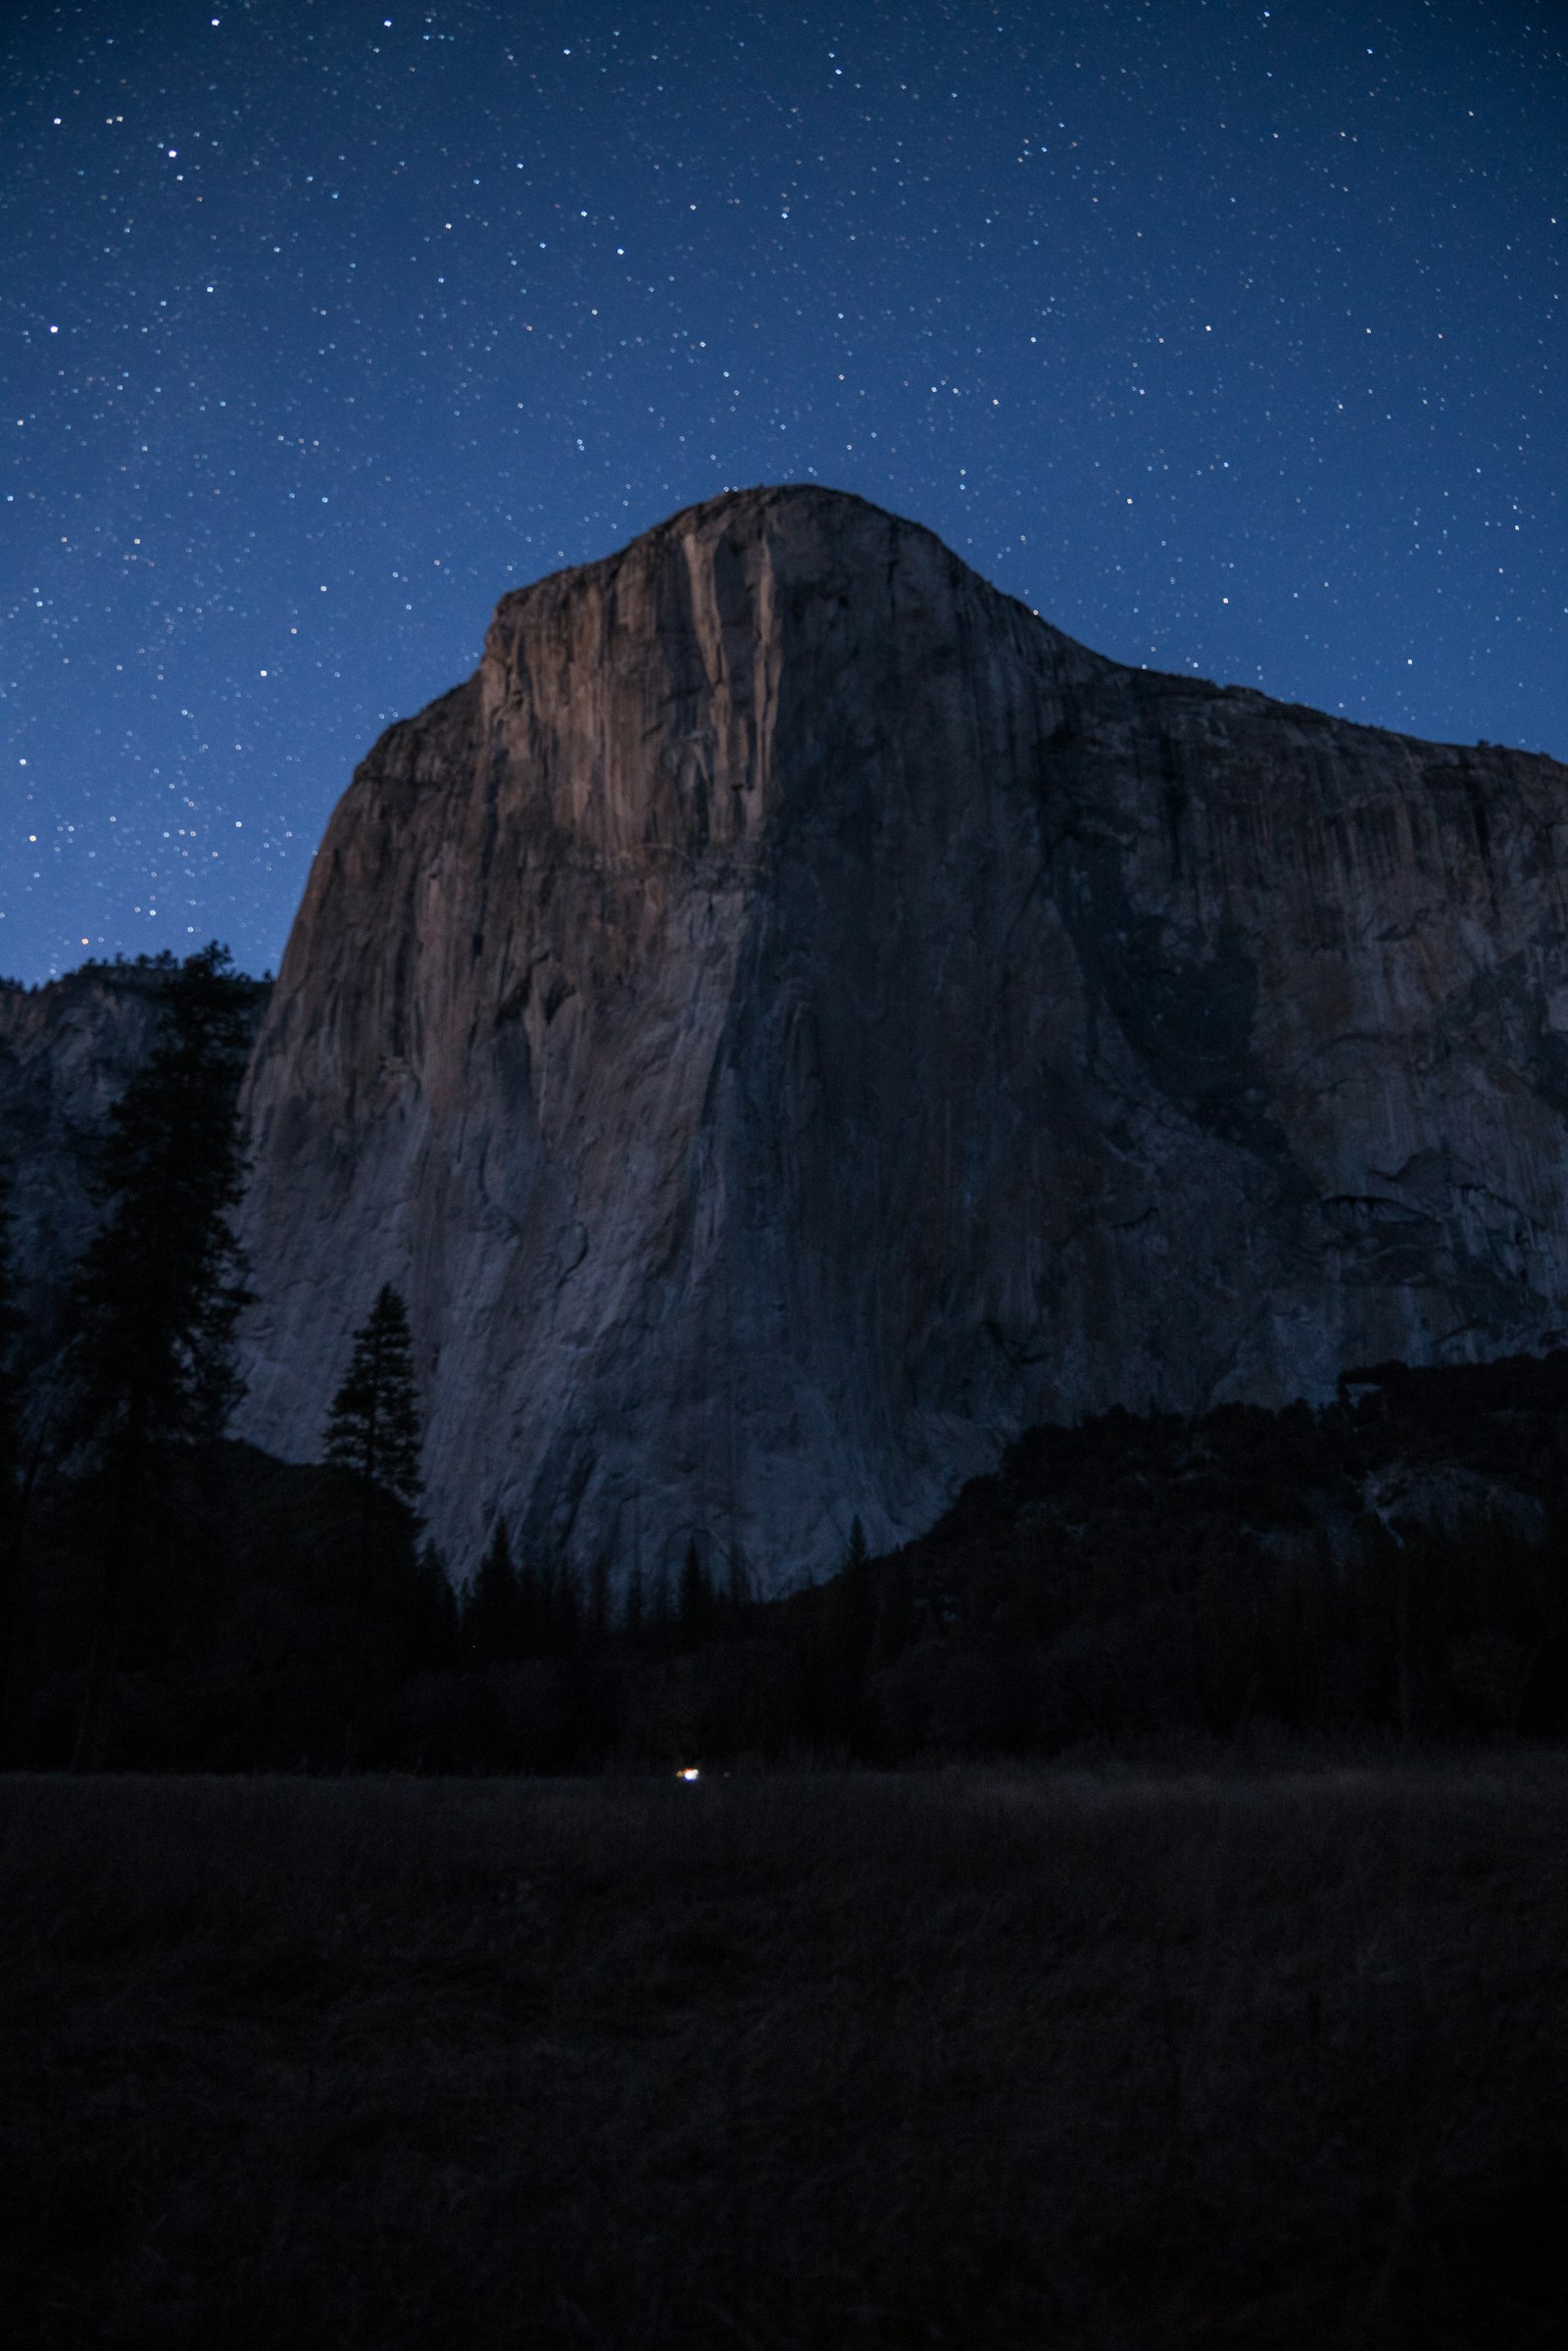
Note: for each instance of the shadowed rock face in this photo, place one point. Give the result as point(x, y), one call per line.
point(66, 1052)
point(793, 1018)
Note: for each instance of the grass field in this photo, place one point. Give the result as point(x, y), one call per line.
point(798, 2063)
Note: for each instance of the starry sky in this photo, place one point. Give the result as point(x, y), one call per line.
point(1229, 337)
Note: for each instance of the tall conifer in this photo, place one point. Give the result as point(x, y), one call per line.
point(695, 1602)
point(374, 1425)
point(374, 1429)
point(492, 1609)
point(150, 1352)
point(10, 1397)
point(149, 1359)
point(11, 1476)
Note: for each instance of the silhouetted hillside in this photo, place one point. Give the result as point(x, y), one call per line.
point(1389, 1567)
point(1393, 1562)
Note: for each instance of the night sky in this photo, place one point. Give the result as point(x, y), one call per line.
point(1229, 337)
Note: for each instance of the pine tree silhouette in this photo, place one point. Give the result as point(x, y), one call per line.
point(149, 1358)
point(694, 1606)
point(10, 1399)
point(493, 1631)
point(374, 1425)
point(568, 1612)
point(635, 1608)
point(848, 1623)
point(374, 1429)
point(435, 1626)
point(11, 1471)
point(154, 1301)
point(535, 1610)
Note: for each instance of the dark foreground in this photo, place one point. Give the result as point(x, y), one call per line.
point(991, 2059)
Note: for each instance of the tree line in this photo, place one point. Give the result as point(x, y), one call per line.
point(1390, 1566)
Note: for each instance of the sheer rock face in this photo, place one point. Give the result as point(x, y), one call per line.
point(793, 1018)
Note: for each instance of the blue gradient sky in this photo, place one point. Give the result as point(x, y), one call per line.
point(1229, 337)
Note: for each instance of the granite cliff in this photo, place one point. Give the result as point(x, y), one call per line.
point(793, 1018)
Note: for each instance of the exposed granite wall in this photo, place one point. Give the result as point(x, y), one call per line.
point(793, 1018)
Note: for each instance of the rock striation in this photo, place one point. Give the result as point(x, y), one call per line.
point(793, 1018)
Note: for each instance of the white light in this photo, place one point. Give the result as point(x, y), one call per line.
point(690, 1772)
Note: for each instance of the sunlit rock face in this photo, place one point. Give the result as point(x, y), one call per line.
point(793, 1018)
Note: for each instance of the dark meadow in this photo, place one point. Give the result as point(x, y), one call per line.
point(992, 2055)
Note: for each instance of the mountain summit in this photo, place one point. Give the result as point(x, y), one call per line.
point(793, 1018)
